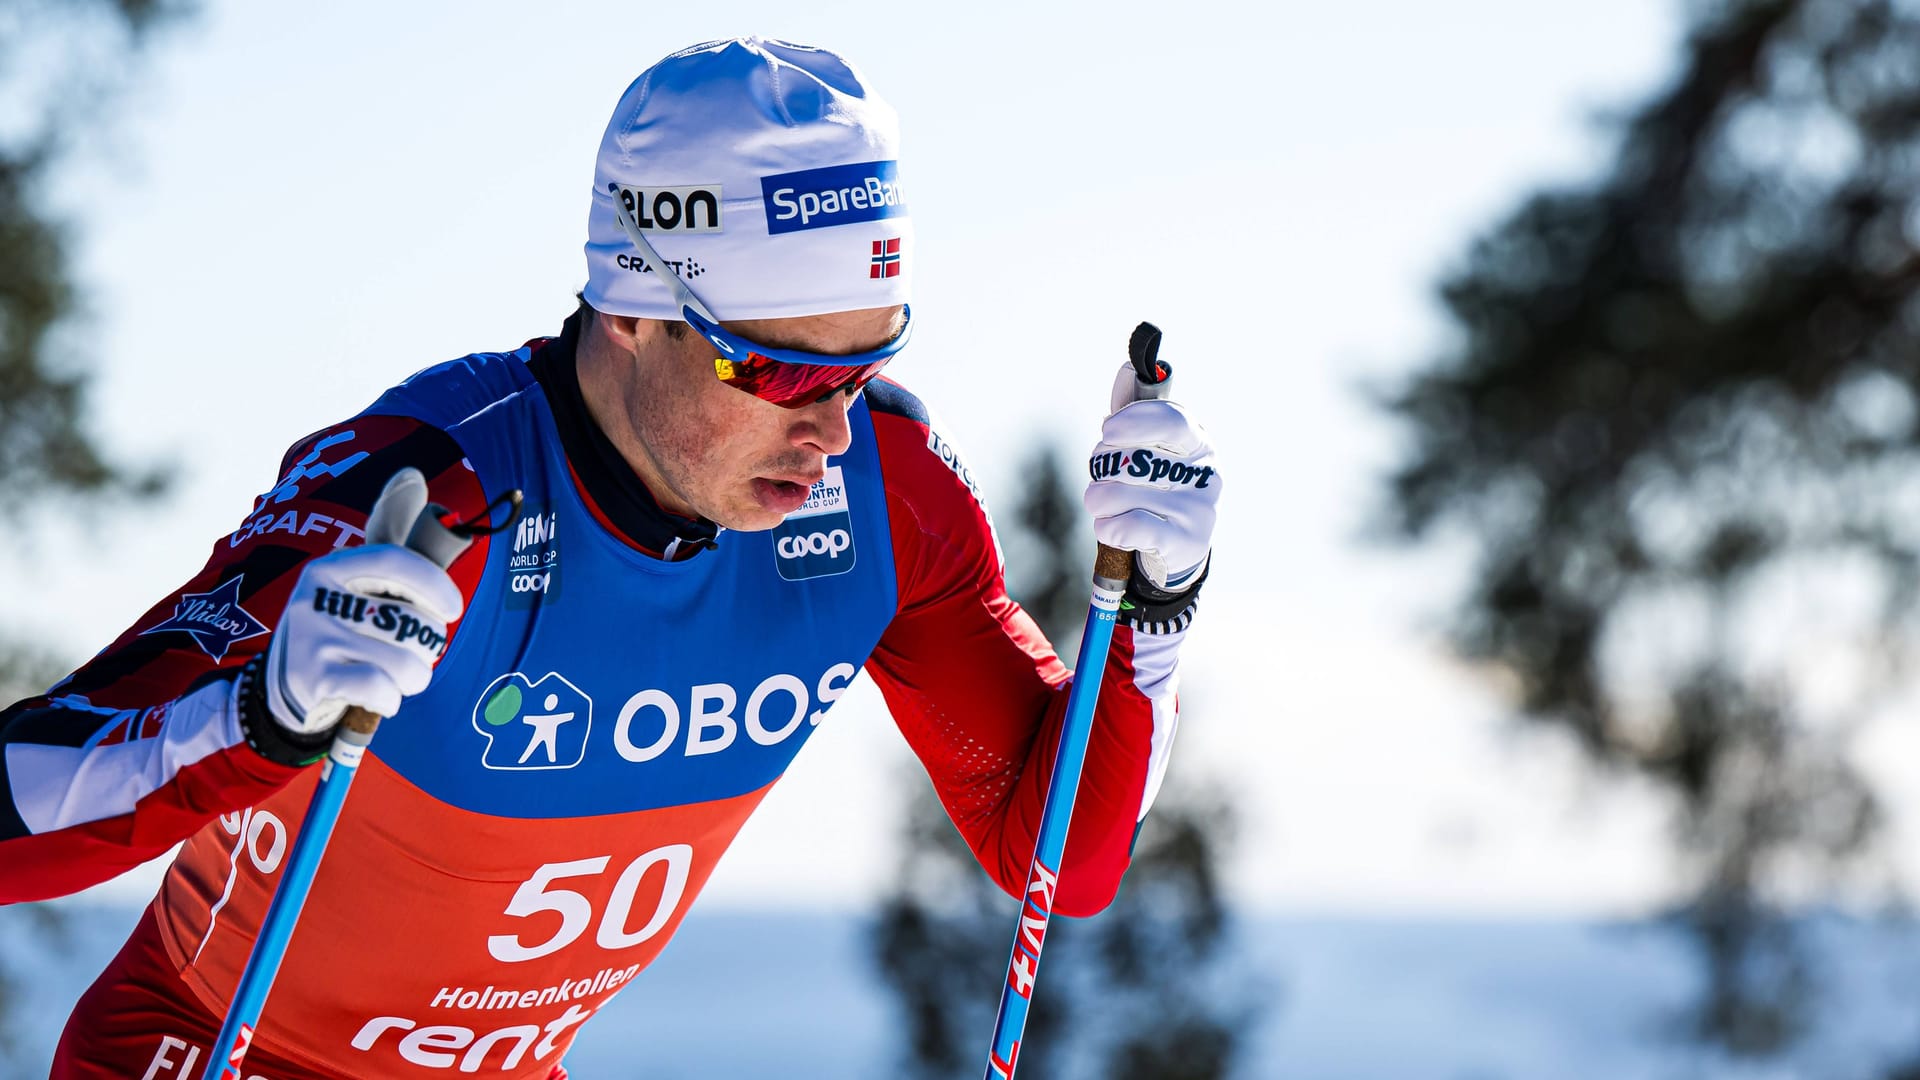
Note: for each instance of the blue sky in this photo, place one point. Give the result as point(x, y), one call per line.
point(301, 206)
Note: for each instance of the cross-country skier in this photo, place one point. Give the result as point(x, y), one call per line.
point(719, 526)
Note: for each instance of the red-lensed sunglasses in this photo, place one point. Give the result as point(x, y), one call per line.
point(789, 378)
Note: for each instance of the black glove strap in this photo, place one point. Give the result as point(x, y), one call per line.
point(269, 737)
point(1150, 609)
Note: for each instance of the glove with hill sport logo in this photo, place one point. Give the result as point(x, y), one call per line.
point(1153, 492)
point(363, 627)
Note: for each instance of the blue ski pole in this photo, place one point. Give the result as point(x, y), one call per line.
point(1111, 569)
point(400, 515)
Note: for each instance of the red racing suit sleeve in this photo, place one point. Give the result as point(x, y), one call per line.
point(979, 693)
point(141, 746)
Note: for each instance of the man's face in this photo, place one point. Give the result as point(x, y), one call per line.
point(723, 454)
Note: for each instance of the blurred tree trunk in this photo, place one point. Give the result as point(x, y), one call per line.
point(1143, 991)
point(61, 61)
point(1679, 434)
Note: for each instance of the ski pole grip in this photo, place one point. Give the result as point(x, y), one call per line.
point(1152, 376)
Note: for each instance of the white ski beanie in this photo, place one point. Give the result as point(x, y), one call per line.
point(764, 173)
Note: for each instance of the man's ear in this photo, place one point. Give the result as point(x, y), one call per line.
point(632, 335)
point(622, 330)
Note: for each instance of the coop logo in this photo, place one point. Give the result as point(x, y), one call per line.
point(533, 725)
point(817, 539)
point(694, 209)
point(819, 543)
point(836, 195)
point(533, 567)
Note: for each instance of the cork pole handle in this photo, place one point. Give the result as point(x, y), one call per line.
point(1112, 566)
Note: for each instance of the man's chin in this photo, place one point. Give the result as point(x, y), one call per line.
point(750, 523)
point(748, 517)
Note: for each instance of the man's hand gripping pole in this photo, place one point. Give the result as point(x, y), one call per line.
point(401, 515)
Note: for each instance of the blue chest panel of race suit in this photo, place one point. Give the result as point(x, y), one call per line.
point(588, 678)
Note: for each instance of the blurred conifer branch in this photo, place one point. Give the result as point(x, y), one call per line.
point(1682, 402)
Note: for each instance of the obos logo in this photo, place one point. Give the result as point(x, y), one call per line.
point(533, 725)
point(533, 568)
point(817, 539)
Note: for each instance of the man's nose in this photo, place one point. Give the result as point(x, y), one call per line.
point(823, 426)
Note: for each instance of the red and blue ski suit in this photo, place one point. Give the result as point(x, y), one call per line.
point(622, 690)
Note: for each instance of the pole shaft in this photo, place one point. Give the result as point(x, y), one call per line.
point(1036, 911)
point(283, 913)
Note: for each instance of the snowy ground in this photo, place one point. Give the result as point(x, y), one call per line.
point(794, 996)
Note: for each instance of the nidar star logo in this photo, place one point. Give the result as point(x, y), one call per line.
point(215, 620)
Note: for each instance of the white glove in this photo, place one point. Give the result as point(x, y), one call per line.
point(364, 625)
point(1154, 487)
